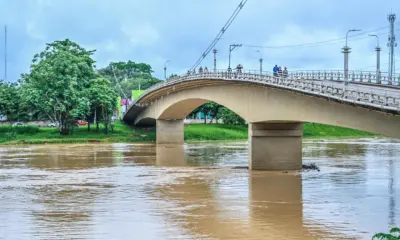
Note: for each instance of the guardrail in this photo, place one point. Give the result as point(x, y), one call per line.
point(331, 85)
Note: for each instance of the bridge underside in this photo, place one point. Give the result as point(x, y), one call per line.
point(275, 118)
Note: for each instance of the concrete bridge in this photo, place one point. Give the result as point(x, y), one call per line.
point(274, 107)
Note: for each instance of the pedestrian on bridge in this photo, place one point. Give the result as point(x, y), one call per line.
point(285, 73)
point(205, 70)
point(275, 70)
point(201, 70)
point(280, 71)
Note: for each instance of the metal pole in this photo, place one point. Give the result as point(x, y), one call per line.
point(391, 44)
point(165, 69)
point(346, 51)
point(215, 59)
point(5, 52)
point(378, 58)
point(231, 47)
point(261, 60)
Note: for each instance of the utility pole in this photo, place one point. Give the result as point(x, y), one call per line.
point(378, 58)
point(165, 69)
point(231, 47)
point(391, 44)
point(346, 51)
point(215, 59)
point(5, 53)
point(261, 60)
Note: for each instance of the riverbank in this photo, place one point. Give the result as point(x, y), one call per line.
point(124, 133)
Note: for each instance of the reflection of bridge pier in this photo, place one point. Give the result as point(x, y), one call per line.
point(275, 204)
point(170, 155)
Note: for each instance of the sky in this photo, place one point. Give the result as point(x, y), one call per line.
point(154, 31)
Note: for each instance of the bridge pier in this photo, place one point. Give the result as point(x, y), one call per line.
point(275, 146)
point(169, 131)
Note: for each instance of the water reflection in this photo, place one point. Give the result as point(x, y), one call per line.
point(170, 155)
point(192, 191)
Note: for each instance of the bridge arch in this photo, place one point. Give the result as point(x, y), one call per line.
point(260, 104)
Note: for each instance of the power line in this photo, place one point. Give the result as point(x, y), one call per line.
point(220, 34)
point(312, 44)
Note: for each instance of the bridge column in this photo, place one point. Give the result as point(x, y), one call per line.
point(275, 146)
point(169, 131)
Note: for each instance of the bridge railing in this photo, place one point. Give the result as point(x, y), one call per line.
point(331, 84)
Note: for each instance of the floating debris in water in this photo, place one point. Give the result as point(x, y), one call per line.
point(311, 166)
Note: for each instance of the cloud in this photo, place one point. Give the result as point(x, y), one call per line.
point(154, 31)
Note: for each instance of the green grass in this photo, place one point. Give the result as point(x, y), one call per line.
point(124, 133)
point(313, 130)
point(215, 132)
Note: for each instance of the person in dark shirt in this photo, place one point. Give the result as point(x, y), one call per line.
point(275, 70)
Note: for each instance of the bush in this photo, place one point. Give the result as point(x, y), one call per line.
point(393, 235)
point(10, 135)
point(19, 129)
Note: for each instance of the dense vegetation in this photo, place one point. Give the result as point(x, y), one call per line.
point(63, 86)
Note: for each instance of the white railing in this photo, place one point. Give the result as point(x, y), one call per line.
point(361, 88)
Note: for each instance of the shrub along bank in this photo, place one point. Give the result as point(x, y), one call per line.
point(124, 133)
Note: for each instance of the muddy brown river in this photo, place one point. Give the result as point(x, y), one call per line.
point(198, 191)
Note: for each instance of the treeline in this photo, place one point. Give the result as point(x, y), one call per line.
point(63, 85)
point(213, 111)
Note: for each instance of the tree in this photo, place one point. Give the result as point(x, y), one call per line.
point(393, 235)
point(12, 103)
point(127, 76)
point(57, 82)
point(103, 97)
point(230, 117)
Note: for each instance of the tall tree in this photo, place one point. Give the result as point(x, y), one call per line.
point(57, 82)
point(103, 98)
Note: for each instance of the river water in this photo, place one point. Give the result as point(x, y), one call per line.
point(198, 191)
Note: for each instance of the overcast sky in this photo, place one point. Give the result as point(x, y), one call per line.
point(153, 31)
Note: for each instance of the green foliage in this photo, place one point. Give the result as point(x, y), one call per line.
point(393, 235)
point(12, 103)
point(19, 129)
point(215, 132)
point(57, 81)
point(103, 97)
point(321, 130)
point(127, 76)
point(10, 135)
point(230, 117)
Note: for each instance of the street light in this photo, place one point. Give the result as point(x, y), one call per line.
point(351, 30)
point(165, 69)
point(378, 58)
point(346, 51)
point(231, 47)
point(261, 60)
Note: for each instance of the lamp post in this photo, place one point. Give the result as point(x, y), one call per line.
point(346, 51)
point(378, 58)
point(215, 59)
point(165, 69)
point(231, 48)
point(261, 60)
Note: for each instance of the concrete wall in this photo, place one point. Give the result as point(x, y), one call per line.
point(258, 103)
